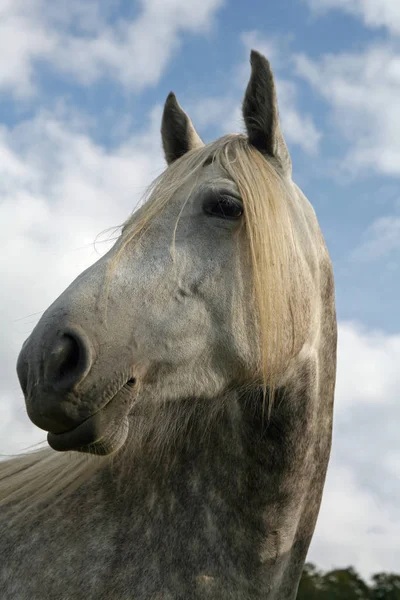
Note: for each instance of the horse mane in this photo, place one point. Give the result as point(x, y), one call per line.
point(35, 477)
point(271, 208)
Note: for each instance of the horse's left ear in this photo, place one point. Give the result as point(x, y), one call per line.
point(260, 112)
point(177, 131)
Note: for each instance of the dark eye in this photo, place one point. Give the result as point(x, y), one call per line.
point(223, 206)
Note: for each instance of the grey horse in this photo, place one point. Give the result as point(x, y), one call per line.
point(186, 383)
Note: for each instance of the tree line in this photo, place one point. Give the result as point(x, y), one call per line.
point(346, 584)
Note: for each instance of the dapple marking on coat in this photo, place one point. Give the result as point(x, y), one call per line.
point(187, 381)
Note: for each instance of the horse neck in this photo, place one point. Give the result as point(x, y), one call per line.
point(227, 453)
point(236, 485)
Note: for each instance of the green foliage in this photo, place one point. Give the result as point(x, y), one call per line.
point(346, 584)
point(385, 586)
point(310, 587)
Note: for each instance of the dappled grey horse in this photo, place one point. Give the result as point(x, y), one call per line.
point(188, 379)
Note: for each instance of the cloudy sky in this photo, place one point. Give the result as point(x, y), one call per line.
point(81, 91)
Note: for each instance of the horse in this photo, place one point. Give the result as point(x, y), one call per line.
point(186, 384)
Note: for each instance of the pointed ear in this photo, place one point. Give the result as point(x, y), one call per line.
point(260, 112)
point(177, 131)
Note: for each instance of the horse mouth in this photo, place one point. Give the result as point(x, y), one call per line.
point(102, 433)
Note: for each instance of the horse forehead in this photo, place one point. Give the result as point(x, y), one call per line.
point(209, 176)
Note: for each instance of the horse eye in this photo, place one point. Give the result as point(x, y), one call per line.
point(225, 207)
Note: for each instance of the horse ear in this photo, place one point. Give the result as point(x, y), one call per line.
point(177, 131)
point(260, 112)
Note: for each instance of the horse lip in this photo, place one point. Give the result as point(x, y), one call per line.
point(92, 429)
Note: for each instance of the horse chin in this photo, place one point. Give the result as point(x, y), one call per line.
point(102, 434)
point(108, 444)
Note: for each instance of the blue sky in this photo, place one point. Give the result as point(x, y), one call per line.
point(81, 93)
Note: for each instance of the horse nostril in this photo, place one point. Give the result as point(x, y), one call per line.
point(68, 361)
point(67, 352)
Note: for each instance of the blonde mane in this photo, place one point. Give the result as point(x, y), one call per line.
point(33, 478)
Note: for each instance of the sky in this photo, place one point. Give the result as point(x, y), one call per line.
point(82, 85)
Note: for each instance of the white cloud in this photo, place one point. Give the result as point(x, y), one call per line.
point(363, 87)
point(77, 39)
point(367, 367)
point(382, 240)
point(354, 528)
point(363, 91)
point(374, 13)
point(359, 522)
point(24, 40)
point(298, 128)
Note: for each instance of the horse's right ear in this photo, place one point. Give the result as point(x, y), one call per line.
point(177, 131)
point(260, 113)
